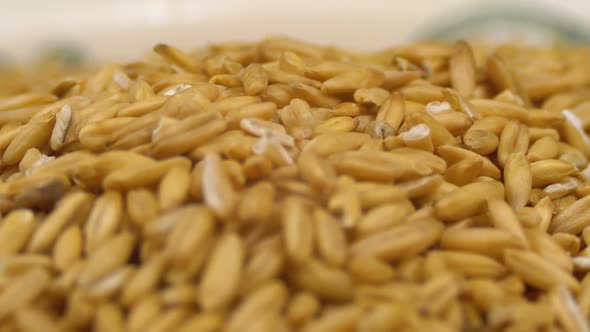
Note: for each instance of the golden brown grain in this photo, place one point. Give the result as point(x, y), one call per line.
point(104, 219)
point(399, 242)
point(302, 307)
point(71, 207)
point(502, 216)
point(384, 216)
point(23, 290)
point(222, 273)
point(286, 186)
point(68, 248)
point(517, 180)
point(462, 69)
point(468, 201)
point(113, 253)
point(268, 298)
point(538, 272)
point(16, 230)
point(487, 241)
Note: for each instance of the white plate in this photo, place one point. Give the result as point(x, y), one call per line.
point(123, 29)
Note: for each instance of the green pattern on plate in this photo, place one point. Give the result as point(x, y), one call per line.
point(533, 25)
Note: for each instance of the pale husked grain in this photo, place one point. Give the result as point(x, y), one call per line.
point(370, 269)
point(529, 217)
point(399, 242)
point(25, 99)
point(328, 69)
point(346, 203)
point(168, 320)
point(31, 319)
point(179, 294)
point(574, 132)
point(514, 138)
point(392, 111)
point(352, 80)
point(503, 77)
point(262, 111)
point(569, 242)
point(545, 209)
point(468, 201)
point(453, 154)
point(206, 322)
point(135, 176)
point(503, 217)
point(486, 241)
point(270, 297)
point(189, 139)
point(319, 173)
point(326, 282)
point(23, 290)
point(567, 310)
point(517, 180)
point(109, 318)
point(191, 233)
point(573, 156)
point(16, 230)
point(435, 268)
point(104, 219)
point(298, 232)
point(492, 124)
point(440, 290)
point(68, 248)
point(339, 124)
point(457, 123)
point(384, 317)
point(439, 134)
point(72, 207)
point(286, 186)
point(418, 137)
point(377, 165)
point(564, 201)
point(422, 93)
point(426, 187)
point(542, 149)
point(494, 108)
point(142, 206)
point(341, 318)
point(62, 123)
point(573, 219)
point(384, 216)
point(471, 264)
point(461, 104)
point(271, 148)
point(464, 171)
point(143, 281)
point(484, 292)
point(261, 267)
point(33, 135)
point(112, 253)
point(302, 307)
point(111, 284)
point(480, 141)
point(537, 271)
point(330, 237)
point(145, 311)
point(372, 195)
point(222, 273)
point(174, 187)
point(462, 69)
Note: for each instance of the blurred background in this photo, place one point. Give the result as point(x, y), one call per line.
point(119, 30)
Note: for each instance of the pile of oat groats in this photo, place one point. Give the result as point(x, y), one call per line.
point(284, 186)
